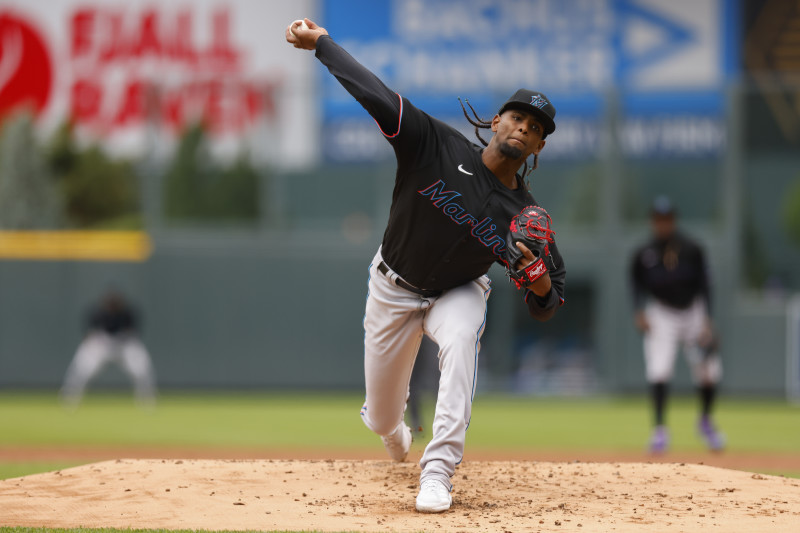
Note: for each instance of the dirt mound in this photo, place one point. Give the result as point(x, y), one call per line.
point(379, 496)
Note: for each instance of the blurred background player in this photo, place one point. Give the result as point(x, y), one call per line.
point(672, 307)
point(112, 337)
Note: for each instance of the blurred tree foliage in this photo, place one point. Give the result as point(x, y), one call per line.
point(791, 212)
point(98, 191)
point(29, 198)
point(61, 184)
point(198, 189)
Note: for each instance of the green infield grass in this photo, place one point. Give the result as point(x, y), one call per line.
point(309, 422)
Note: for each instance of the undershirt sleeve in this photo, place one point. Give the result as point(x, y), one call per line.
point(543, 308)
point(411, 132)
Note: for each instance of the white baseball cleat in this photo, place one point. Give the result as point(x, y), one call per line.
point(434, 497)
point(398, 443)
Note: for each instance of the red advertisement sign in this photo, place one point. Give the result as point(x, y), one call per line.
point(117, 68)
point(26, 75)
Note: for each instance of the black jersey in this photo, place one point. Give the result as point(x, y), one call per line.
point(672, 271)
point(450, 214)
point(113, 321)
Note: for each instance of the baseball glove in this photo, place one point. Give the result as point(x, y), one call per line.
point(708, 343)
point(532, 228)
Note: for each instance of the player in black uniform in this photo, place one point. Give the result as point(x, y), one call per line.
point(451, 209)
point(112, 337)
point(672, 301)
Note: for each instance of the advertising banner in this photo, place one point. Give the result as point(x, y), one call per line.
point(668, 61)
point(132, 75)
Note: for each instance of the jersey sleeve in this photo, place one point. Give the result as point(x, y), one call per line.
point(543, 308)
point(638, 285)
point(410, 131)
point(131, 319)
point(704, 288)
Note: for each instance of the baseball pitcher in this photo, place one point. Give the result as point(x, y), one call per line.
point(450, 220)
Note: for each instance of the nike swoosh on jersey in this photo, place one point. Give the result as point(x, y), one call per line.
point(461, 168)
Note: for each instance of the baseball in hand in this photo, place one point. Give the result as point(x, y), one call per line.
point(303, 25)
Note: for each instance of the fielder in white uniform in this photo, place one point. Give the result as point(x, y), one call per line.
point(112, 337)
point(452, 205)
point(672, 300)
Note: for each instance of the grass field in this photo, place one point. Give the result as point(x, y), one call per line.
point(208, 422)
point(297, 423)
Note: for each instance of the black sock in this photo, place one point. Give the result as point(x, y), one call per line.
point(659, 392)
point(707, 395)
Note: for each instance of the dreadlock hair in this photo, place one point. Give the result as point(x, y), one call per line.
point(479, 124)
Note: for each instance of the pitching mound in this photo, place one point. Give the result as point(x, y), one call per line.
point(379, 496)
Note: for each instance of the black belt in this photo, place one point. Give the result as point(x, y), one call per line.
point(400, 282)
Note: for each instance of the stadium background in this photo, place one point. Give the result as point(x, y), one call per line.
point(245, 243)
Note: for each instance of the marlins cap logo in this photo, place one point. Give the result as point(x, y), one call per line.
point(538, 101)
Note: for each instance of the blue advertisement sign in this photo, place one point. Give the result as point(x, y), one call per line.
point(667, 61)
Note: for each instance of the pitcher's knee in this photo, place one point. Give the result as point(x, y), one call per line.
point(458, 339)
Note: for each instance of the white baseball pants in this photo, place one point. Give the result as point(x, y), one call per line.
point(394, 323)
point(669, 329)
point(99, 349)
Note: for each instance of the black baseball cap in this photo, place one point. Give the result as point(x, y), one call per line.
point(662, 206)
point(536, 103)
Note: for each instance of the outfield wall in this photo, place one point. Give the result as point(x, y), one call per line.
point(283, 309)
